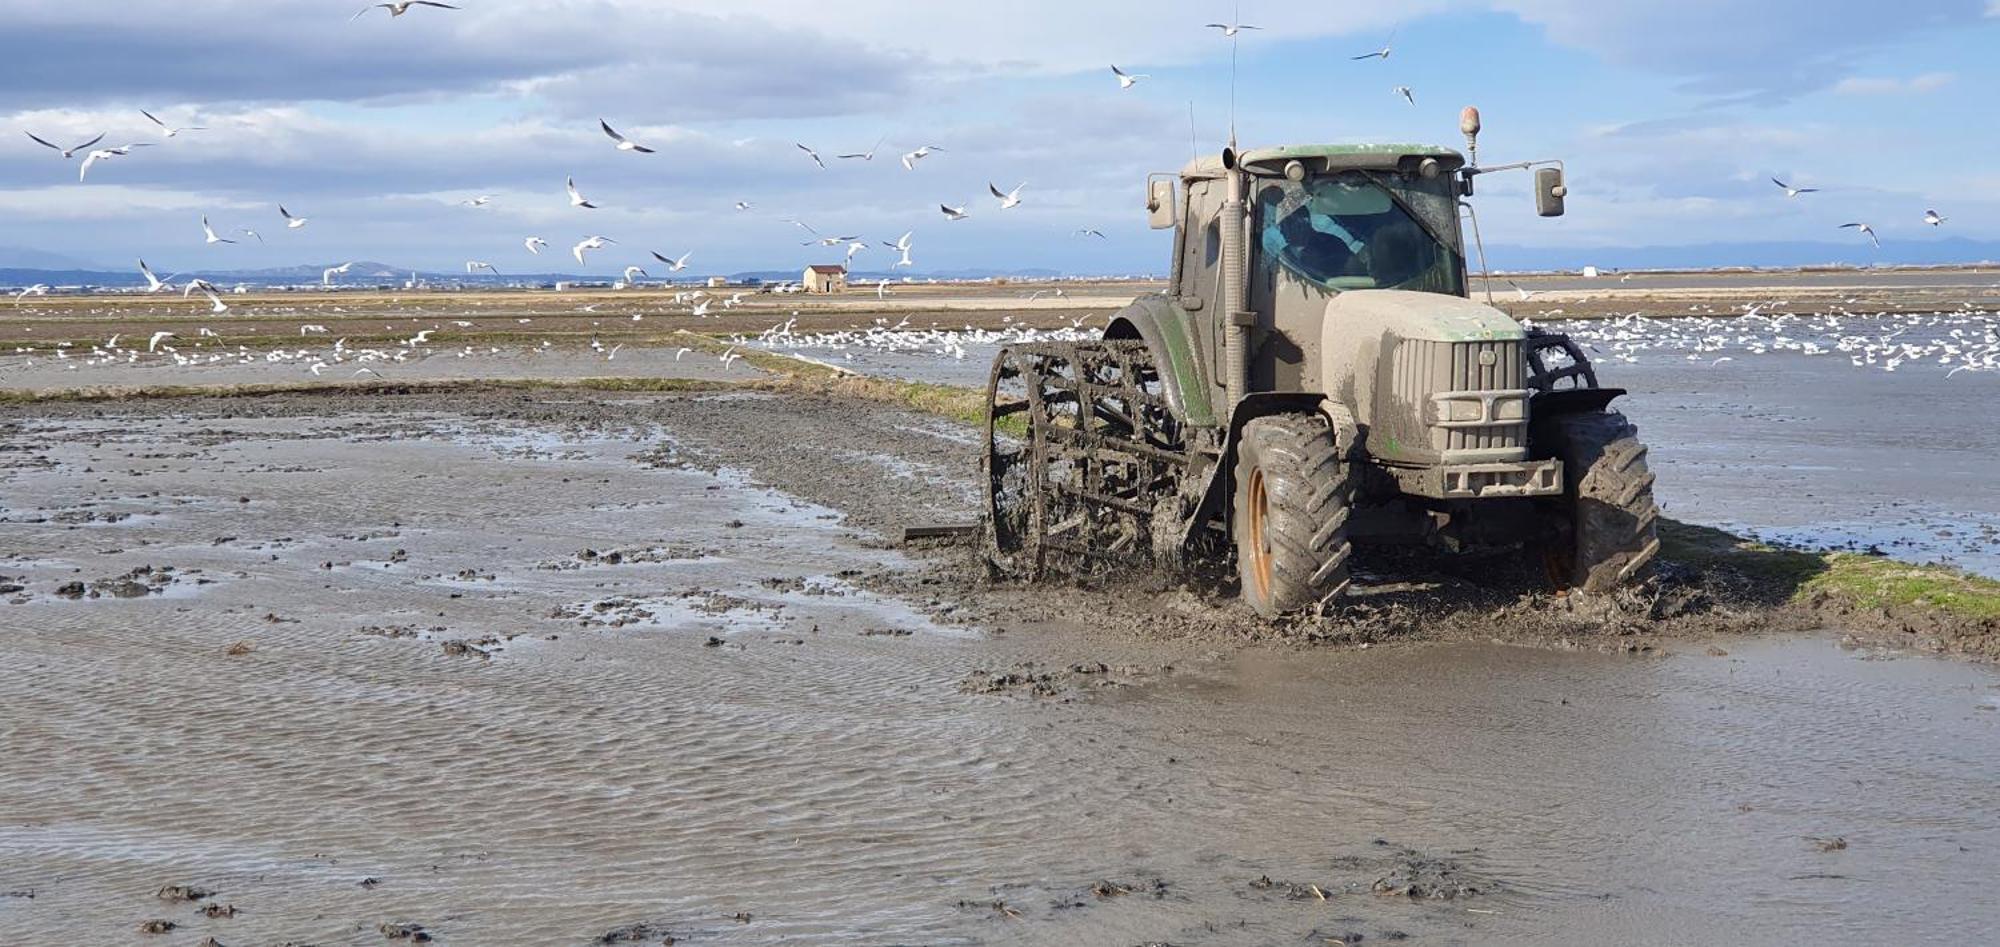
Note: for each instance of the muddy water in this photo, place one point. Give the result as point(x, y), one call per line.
point(691, 715)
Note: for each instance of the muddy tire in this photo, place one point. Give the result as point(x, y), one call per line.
point(1607, 525)
point(1293, 496)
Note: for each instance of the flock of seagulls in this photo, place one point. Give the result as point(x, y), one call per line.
point(1955, 342)
point(1931, 216)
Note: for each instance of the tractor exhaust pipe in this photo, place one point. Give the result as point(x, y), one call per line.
point(1235, 285)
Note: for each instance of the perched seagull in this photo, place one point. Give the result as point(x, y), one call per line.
point(535, 245)
point(623, 143)
point(902, 245)
point(594, 243)
point(1931, 217)
point(400, 7)
point(326, 277)
point(813, 155)
point(1791, 191)
point(105, 154)
point(868, 155)
point(67, 153)
point(291, 223)
point(169, 129)
point(1229, 30)
point(1408, 94)
point(674, 266)
point(210, 232)
point(480, 201)
point(1009, 200)
point(910, 160)
point(153, 283)
point(1864, 228)
point(473, 265)
point(1125, 79)
point(953, 213)
point(576, 198)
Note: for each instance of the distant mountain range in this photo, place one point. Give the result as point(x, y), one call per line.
point(369, 273)
point(1765, 255)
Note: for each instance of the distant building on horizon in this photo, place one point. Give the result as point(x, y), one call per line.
point(825, 279)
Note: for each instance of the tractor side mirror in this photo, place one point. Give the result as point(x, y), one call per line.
point(1160, 209)
point(1550, 192)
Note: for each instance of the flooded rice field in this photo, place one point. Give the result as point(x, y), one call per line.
point(566, 669)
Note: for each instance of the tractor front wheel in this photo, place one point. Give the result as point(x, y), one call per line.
point(1293, 496)
point(1607, 527)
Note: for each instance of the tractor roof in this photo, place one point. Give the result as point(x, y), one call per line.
point(1386, 157)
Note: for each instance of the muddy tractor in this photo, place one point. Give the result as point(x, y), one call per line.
point(1316, 375)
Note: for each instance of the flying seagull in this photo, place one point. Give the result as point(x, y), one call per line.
point(953, 213)
point(1406, 92)
point(472, 266)
point(535, 245)
point(326, 277)
point(480, 201)
point(1127, 80)
point(910, 160)
point(170, 130)
point(1791, 191)
point(623, 143)
point(153, 283)
point(291, 223)
point(1864, 228)
point(1229, 30)
point(210, 232)
point(594, 243)
point(902, 245)
point(743, 205)
point(1009, 200)
point(674, 266)
point(1382, 53)
point(400, 7)
point(813, 155)
point(250, 233)
point(1087, 232)
point(576, 198)
point(868, 155)
point(1931, 217)
point(67, 153)
point(105, 154)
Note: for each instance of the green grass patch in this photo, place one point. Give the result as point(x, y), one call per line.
point(1875, 583)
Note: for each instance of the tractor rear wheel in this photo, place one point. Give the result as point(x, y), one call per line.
point(1293, 496)
point(1608, 523)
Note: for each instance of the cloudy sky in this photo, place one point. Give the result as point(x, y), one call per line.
point(1673, 116)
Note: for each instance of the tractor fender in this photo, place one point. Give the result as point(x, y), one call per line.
point(1166, 329)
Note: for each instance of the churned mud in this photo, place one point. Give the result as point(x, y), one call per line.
point(571, 668)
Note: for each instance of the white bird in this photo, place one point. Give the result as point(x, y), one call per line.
point(67, 153)
point(1864, 228)
point(623, 143)
point(474, 265)
point(250, 233)
point(868, 155)
point(854, 248)
point(1525, 295)
point(420, 338)
point(1407, 93)
point(813, 155)
point(1382, 54)
point(105, 154)
point(400, 7)
point(535, 245)
point(1088, 232)
point(210, 232)
point(684, 350)
point(215, 303)
point(902, 245)
point(1009, 200)
point(1229, 30)
point(153, 344)
point(1931, 217)
point(291, 223)
point(742, 205)
point(910, 160)
point(326, 277)
point(480, 201)
point(882, 289)
point(594, 243)
point(632, 274)
point(1127, 80)
point(953, 213)
point(576, 198)
point(674, 266)
point(1791, 191)
point(153, 283)
point(169, 129)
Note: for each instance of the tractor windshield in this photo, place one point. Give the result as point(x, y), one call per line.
point(1356, 230)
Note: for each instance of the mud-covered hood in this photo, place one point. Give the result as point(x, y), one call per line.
point(1427, 316)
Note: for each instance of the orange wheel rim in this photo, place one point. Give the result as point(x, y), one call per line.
point(1260, 550)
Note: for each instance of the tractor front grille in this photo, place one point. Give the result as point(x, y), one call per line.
point(1424, 370)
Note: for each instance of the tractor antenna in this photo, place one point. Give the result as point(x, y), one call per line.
point(1194, 139)
point(1235, 43)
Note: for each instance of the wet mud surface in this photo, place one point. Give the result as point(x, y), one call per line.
point(568, 669)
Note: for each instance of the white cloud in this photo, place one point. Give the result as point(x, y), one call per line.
point(1883, 85)
point(105, 202)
